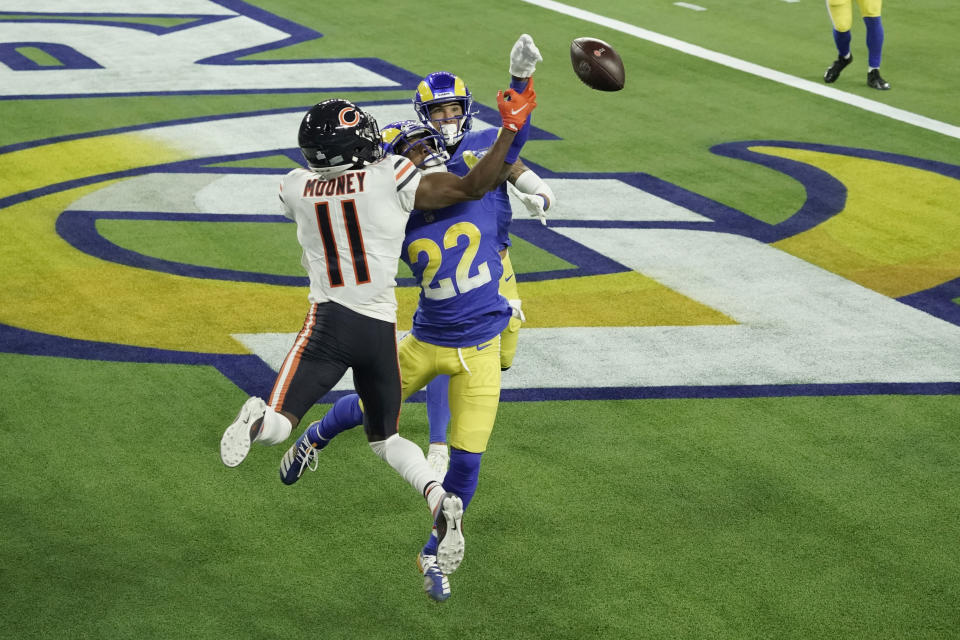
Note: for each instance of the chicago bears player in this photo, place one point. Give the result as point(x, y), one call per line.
point(443, 101)
point(454, 254)
point(841, 15)
point(351, 207)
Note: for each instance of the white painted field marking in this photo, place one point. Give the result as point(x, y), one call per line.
point(748, 67)
point(130, 61)
point(692, 7)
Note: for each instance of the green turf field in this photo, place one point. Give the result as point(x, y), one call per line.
point(769, 448)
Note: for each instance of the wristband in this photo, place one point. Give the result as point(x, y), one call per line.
point(518, 84)
point(530, 182)
point(518, 141)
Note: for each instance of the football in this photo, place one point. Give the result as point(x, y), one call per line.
point(597, 64)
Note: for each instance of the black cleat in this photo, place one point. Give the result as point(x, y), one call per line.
point(831, 74)
point(874, 81)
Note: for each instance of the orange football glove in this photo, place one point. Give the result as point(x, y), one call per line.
point(515, 107)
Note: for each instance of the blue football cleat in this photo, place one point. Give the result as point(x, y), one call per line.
point(434, 582)
point(301, 455)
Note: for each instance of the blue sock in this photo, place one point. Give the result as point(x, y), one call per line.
point(438, 408)
point(461, 479)
point(874, 41)
point(842, 39)
point(344, 414)
point(463, 474)
point(430, 549)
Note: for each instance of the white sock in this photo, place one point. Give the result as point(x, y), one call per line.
point(408, 460)
point(276, 428)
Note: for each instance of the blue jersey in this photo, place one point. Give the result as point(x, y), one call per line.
point(454, 256)
point(474, 145)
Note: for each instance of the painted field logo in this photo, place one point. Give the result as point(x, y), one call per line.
point(651, 291)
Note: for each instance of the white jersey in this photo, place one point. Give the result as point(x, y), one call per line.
point(351, 230)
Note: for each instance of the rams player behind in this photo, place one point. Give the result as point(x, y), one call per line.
point(443, 101)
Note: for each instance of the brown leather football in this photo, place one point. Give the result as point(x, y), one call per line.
point(597, 64)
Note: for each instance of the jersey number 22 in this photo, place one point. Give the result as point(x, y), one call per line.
point(444, 287)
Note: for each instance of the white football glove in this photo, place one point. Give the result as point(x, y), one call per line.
point(524, 57)
point(534, 202)
point(438, 457)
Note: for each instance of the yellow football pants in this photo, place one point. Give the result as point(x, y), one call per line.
point(474, 392)
point(511, 335)
point(841, 12)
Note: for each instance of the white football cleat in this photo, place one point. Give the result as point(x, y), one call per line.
point(235, 443)
point(449, 523)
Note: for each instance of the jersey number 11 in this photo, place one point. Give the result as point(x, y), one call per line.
point(355, 238)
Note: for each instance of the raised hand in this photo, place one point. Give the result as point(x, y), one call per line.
point(524, 57)
point(515, 107)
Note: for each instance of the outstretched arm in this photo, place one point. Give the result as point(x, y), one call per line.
point(535, 194)
point(524, 184)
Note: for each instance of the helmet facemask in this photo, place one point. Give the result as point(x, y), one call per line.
point(452, 132)
point(424, 143)
point(430, 148)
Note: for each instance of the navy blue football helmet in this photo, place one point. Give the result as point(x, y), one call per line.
point(442, 87)
point(399, 137)
point(336, 135)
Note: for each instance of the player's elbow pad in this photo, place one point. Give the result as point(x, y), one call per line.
point(529, 182)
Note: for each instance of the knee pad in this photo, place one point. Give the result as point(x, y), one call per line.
point(276, 428)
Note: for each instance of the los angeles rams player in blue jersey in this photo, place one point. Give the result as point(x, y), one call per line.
point(443, 101)
point(841, 15)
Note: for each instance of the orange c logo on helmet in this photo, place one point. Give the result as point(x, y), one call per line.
point(344, 113)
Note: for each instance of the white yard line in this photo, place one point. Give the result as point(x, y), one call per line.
point(817, 88)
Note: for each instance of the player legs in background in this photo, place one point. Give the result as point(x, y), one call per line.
point(509, 290)
point(438, 417)
point(875, 49)
point(841, 15)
